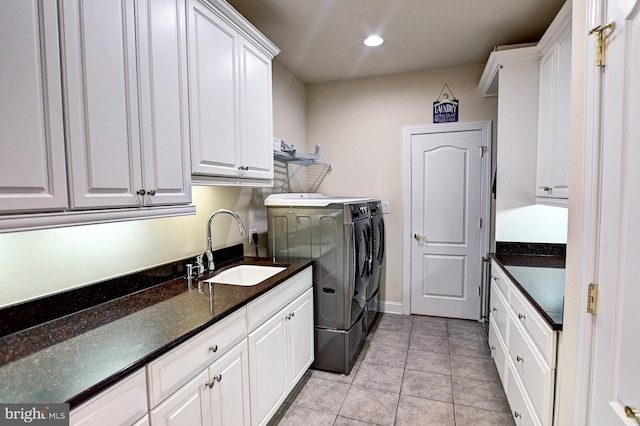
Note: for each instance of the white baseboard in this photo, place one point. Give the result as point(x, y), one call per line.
point(390, 307)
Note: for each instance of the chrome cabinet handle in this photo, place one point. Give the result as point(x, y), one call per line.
point(520, 316)
point(519, 358)
point(291, 315)
point(141, 192)
point(632, 412)
point(516, 414)
point(494, 309)
point(495, 279)
point(213, 348)
point(152, 192)
point(547, 189)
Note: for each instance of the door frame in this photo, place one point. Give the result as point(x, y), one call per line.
point(407, 237)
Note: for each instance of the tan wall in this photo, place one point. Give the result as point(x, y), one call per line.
point(359, 124)
point(38, 263)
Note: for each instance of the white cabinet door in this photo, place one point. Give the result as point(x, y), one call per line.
point(230, 399)
point(127, 123)
point(267, 368)
point(552, 178)
point(300, 337)
point(214, 103)
point(231, 97)
point(190, 405)
point(32, 161)
point(162, 35)
point(256, 118)
point(99, 56)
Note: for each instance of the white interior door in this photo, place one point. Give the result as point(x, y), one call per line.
point(448, 199)
point(616, 366)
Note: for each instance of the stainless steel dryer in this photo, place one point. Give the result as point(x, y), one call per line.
point(377, 259)
point(336, 234)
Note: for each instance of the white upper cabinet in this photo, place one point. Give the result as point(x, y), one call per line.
point(231, 97)
point(552, 177)
point(126, 104)
point(32, 158)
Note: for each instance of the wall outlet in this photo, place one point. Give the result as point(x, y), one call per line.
point(251, 232)
point(385, 207)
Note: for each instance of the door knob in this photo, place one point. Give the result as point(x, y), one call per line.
point(419, 237)
point(633, 413)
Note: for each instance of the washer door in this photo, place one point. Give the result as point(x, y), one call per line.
point(362, 243)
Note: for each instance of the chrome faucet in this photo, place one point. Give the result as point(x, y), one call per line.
point(209, 253)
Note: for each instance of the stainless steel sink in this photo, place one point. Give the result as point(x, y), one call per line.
point(245, 275)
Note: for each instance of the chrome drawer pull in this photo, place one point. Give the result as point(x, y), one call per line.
point(519, 358)
point(521, 316)
point(213, 348)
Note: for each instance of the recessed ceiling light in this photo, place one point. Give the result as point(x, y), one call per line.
point(373, 40)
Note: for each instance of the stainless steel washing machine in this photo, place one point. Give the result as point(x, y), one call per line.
point(336, 234)
point(377, 260)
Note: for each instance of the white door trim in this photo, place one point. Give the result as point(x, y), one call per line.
point(485, 127)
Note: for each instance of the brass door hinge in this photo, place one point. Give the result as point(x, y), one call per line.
point(601, 42)
point(592, 299)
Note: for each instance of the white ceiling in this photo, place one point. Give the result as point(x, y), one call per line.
point(321, 40)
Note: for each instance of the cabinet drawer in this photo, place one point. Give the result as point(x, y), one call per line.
point(264, 307)
point(536, 375)
point(498, 351)
point(499, 310)
point(177, 367)
point(542, 335)
point(521, 409)
point(123, 403)
point(500, 280)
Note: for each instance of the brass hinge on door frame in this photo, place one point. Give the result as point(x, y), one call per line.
point(601, 42)
point(592, 299)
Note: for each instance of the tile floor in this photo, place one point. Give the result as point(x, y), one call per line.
point(413, 370)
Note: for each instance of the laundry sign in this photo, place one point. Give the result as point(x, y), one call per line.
point(445, 110)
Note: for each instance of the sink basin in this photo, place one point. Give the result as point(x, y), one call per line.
point(245, 275)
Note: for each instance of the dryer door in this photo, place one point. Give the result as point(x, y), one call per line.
point(377, 253)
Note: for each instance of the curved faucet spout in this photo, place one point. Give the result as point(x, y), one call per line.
point(241, 228)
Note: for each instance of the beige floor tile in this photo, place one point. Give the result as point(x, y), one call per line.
point(428, 385)
point(428, 361)
point(474, 368)
point(370, 405)
point(422, 342)
point(379, 353)
point(381, 377)
point(392, 338)
point(296, 416)
point(480, 394)
point(414, 411)
point(469, 347)
point(323, 395)
point(471, 416)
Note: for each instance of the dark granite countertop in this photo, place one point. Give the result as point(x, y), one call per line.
point(541, 280)
point(105, 343)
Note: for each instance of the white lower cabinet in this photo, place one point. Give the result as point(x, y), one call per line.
point(229, 381)
point(280, 351)
point(218, 395)
point(124, 403)
point(524, 349)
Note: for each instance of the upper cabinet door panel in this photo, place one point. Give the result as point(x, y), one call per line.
point(32, 162)
point(162, 38)
point(213, 46)
point(99, 58)
point(256, 117)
